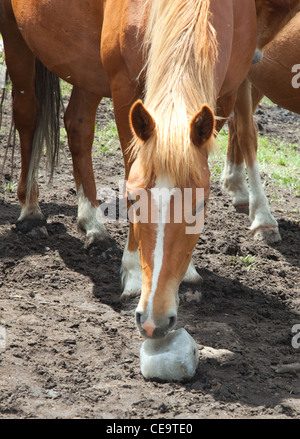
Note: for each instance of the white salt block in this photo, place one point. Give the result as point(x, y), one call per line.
point(172, 358)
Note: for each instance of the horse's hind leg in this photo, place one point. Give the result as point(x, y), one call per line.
point(234, 175)
point(21, 67)
point(80, 125)
point(243, 143)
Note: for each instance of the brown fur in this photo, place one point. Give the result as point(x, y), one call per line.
point(272, 16)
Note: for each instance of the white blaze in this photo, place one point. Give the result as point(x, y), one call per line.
point(161, 198)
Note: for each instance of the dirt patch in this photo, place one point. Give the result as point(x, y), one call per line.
point(278, 123)
point(70, 349)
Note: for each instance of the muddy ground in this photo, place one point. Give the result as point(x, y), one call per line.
point(70, 349)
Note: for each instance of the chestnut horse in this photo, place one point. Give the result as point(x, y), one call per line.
point(276, 76)
point(186, 60)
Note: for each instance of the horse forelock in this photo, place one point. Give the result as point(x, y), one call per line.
point(161, 158)
point(180, 43)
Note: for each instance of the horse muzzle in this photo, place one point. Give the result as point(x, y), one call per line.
point(150, 327)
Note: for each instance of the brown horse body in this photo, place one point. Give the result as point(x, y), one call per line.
point(277, 77)
point(97, 46)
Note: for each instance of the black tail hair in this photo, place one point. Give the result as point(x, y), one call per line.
point(47, 131)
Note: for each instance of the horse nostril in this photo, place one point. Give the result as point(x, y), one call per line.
point(145, 324)
point(172, 322)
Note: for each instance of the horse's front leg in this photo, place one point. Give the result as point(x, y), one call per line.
point(131, 271)
point(124, 93)
point(79, 121)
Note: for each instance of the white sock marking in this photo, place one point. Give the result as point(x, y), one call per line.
point(87, 216)
point(235, 181)
point(260, 213)
point(131, 272)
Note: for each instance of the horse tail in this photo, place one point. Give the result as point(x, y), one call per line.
point(47, 131)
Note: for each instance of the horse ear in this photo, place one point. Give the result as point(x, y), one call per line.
point(202, 126)
point(141, 121)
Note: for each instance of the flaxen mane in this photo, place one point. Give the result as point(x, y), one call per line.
point(181, 49)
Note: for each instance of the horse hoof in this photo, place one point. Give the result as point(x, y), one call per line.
point(98, 241)
point(132, 285)
point(270, 235)
point(129, 294)
point(242, 208)
point(27, 225)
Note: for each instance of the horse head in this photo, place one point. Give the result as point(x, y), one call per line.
point(167, 212)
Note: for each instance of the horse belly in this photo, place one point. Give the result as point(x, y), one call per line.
point(278, 74)
point(244, 38)
point(66, 36)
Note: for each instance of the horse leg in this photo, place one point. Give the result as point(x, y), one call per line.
point(21, 67)
point(131, 272)
point(123, 98)
point(191, 275)
point(263, 224)
point(79, 122)
point(234, 176)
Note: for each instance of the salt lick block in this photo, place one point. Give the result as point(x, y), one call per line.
point(172, 358)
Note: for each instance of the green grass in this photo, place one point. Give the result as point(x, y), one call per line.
point(65, 89)
point(247, 262)
point(267, 101)
point(106, 138)
point(217, 158)
point(278, 160)
point(10, 187)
